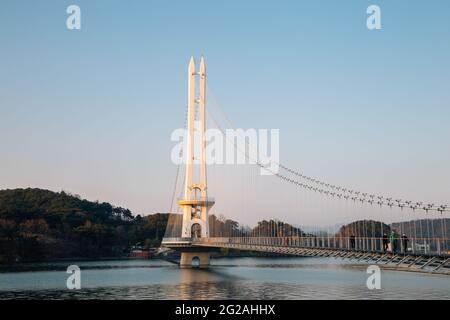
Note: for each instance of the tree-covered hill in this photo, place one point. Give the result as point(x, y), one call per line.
point(38, 224)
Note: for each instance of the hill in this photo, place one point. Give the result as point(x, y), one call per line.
point(38, 224)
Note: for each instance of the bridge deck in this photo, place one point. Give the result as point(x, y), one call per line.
point(427, 263)
point(431, 261)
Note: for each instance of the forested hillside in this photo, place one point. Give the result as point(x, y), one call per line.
point(38, 224)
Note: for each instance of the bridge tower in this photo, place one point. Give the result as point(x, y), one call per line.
point(195, 203)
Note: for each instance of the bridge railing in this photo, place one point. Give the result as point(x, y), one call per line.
point(426, 246)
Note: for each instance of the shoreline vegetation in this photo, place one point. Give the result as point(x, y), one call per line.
point(39, 225)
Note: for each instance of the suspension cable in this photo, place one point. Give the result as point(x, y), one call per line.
point(327, 189)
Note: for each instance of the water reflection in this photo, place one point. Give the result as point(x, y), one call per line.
point(201, 284)
point(239, 278)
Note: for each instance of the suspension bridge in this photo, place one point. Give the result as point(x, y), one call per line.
point(418, 243)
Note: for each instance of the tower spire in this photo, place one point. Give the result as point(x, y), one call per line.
point(196, 203)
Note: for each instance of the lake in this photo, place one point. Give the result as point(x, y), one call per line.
point(227, 278)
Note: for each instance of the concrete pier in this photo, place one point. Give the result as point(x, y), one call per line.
point(187, 258)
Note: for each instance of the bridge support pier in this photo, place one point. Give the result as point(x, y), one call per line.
point(187, 259)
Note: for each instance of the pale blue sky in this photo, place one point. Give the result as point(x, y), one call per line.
point(91, 111)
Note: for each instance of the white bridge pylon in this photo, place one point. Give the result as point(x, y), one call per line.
point(195, 203)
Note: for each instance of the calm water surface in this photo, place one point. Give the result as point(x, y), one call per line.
point(228, 278)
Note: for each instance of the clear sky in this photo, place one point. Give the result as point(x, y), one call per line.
point(91, 111)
